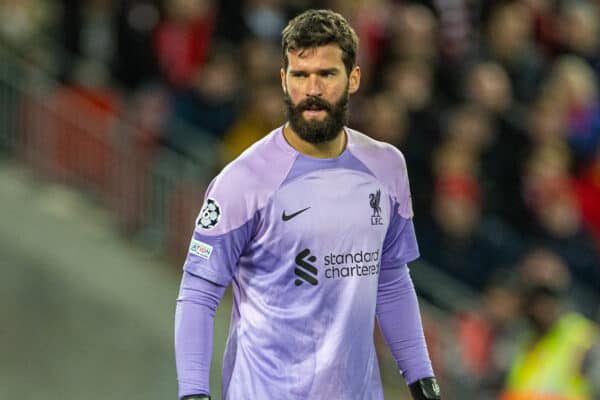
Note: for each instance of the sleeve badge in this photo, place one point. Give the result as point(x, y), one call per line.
point(209, 215)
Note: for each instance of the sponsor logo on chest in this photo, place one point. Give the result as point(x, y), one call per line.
point(359, 264)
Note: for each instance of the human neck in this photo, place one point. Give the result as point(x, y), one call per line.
point(329, 149)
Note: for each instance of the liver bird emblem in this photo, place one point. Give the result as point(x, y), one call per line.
point(374, 199)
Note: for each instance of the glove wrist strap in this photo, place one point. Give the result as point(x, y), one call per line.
point(425, 389)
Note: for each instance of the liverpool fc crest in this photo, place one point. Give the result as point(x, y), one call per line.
point(374, 199)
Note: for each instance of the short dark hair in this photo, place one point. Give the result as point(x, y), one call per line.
point(314, 28)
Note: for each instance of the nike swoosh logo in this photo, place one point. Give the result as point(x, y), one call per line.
point(288, 217)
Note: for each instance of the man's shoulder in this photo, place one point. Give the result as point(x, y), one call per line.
point(367, 146)
point(260, 168)
point(387, 164)
point(374, 152)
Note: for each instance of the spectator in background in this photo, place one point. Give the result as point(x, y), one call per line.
point(260, 107)
point(457, 21)
point(263, 110)
point(388, 119)
point(508, 40)
point(468, 131)
point(487, 84)
point(373, 19)
point(580, 31)
point(257, 19)
point(257, 61)
point(24, 23)
point(482, 336)
point(97, 42)
point(86, 28)
point(264, 19)
point(557, 353)
point(556, 222)
point(204, 110)
point(547, 30)
point(183, 40)
point(135, 60)
point(573, 84)
point(410, 84)
point(469, 135)
point(459, 238)
point(414, 34)
point(546, 122)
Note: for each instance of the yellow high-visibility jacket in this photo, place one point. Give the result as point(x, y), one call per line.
point(550, 369)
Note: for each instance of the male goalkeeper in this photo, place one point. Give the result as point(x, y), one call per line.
point(312, 226)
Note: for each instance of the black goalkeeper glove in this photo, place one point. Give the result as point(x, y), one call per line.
point(425, 389)
point(196, 397)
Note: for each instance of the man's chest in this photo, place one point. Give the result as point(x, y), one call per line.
point(338, 209)
point(320, 239)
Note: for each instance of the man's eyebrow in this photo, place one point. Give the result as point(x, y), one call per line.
point(329, 70)
point(319, 71)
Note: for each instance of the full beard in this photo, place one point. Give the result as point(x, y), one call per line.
point(317, 131)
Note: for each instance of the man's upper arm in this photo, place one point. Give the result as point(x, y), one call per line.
point(224, 225)
point(400, 245)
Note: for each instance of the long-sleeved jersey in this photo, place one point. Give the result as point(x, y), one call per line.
point(303, 241)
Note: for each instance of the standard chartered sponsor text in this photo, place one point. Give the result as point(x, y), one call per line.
point(347, 265)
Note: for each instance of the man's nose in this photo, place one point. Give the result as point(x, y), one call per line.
point(314, 86)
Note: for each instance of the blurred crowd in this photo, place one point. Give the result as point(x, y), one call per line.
point(495, 105)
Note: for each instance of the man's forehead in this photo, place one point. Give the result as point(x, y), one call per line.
point(330, 53)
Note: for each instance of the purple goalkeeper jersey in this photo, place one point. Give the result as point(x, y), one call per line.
point(302, 240)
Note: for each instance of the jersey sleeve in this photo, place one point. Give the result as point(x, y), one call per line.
point(224, 226)
point(400, 323)
point(400, 244)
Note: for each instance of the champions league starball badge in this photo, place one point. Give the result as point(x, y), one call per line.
point(210, 214)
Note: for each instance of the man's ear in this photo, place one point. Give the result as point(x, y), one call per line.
point(283, 85)
point(354, 80)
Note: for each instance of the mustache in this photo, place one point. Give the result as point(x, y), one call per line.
point(313, 102)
